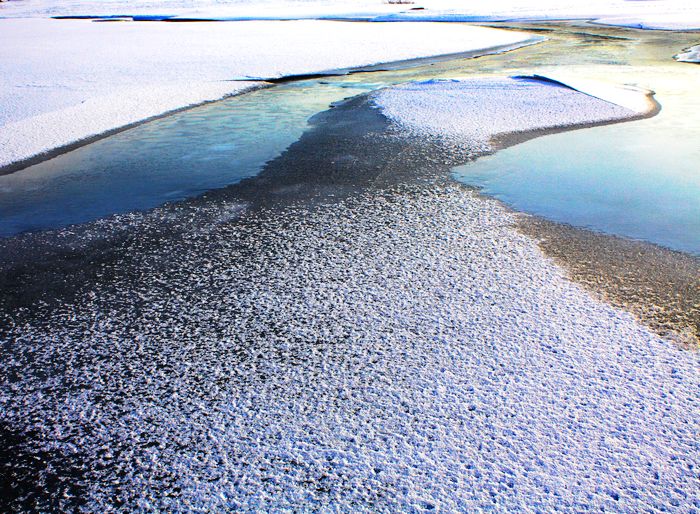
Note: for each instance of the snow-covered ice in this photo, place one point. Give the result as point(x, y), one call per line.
point(638, 100)
point(402, 352)
point(209, 9)
point(400, 349)
point(470, 112)
point(656, 21)
point(65, 80)
point(656, 15)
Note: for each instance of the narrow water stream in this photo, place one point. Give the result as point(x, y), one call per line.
point(637, 179)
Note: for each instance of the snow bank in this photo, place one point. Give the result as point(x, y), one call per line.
point(633, 98)
point(473, 111)
point(691, 54)
point(65, 80)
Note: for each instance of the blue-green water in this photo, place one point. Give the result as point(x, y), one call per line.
point(639, 179)
point(627, 179)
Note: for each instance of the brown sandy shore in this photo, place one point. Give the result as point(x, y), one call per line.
point(660, 287)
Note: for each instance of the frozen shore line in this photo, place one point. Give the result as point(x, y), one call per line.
point(476, 116)
point(67, 80)
point(404, 351)
point(347, 331)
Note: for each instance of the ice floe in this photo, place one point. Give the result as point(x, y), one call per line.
point(471, 112)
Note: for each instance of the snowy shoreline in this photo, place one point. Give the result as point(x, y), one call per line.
point(119, 74)
point(347, 331)
point(459, 111)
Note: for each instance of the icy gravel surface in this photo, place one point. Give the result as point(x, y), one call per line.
point(471, 112)
point(65, 80)
point(399, 351)
point(348, 331)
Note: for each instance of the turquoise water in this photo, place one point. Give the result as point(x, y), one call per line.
point(639, 179)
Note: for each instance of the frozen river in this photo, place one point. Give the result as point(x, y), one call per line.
point(637, 179)
point(343, 329)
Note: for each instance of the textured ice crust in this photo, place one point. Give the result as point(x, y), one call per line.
point(471, 112)
point(404, 351)
point(66, 80)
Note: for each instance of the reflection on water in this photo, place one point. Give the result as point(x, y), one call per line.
point(637, 179)
point(610, 178)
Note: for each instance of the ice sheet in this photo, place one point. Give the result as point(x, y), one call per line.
point(652, 14)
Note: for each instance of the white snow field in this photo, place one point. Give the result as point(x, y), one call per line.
point(65, 80)
point(471, 112)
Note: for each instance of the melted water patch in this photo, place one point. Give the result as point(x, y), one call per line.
point(624, 179)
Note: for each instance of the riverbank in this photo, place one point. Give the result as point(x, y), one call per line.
point(661, 287)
